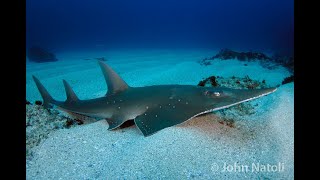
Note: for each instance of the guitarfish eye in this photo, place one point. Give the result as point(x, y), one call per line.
point(213, 93)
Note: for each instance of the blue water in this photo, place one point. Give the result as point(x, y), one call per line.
point(159, 42)
point(243, 24)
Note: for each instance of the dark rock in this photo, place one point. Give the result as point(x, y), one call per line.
point(247, 78)
point(266, 61)
point(242, 56)
point(252, 86)
point(79, 121)
point(225, 54)
point(202, 83)
point(27, 102)
point(288, 80)
point(233, 82)
point(69, 122)
point(284, 60)
point(211, 80)
point(38, 102)
point(39, 55)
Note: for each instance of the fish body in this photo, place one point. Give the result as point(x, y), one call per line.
point(152, 107)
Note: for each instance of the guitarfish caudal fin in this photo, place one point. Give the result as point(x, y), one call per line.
point(48, 101)
point(114, 82)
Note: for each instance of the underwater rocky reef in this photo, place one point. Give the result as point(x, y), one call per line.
point(40, 122)
point(288, 80)
point(39, 55)
point(233, 82)
point(229, 115)
point(227, 54)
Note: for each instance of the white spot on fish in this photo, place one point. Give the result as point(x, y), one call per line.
point(187, 103)
point(147, 107)
point(114, 102)
point(145, 114)
point(156, 115)
point(174, 106)
point(179, 100)
point(119, 107)
point(160, 106)
point(216, 93)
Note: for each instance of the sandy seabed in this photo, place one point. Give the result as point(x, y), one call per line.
point(200, 148)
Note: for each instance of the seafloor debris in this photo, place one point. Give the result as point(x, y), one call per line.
point(288, 80)
point(227, 122)
point(240, 110)
point(39, 123)
point(39, 55)
point(266, 61)
point(28, 102)
point(38, 102)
